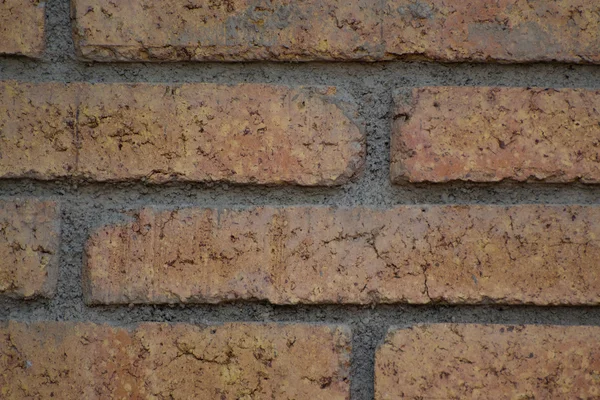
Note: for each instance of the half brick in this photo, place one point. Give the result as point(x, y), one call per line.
point(22, 27)
point(29, 247)
point(449, 361)
point(484, 134)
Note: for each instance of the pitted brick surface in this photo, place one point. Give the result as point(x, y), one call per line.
point(528, 254)
point(452, 361)
point(29, 246)
point(491, 134)
point(22, 27)
point(237, 30)
point(246, 133)
point(67, 360)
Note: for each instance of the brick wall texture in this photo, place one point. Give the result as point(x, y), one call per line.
point(171, 257)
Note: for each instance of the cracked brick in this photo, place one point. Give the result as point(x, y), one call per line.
point(453, 361)
point(239, 30)
point(22, 27)
point(490, 134)
point(29, 245)
point(528, 254)
point(246, 133)
point(68, 360)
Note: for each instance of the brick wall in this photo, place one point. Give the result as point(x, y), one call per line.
point(248, 199)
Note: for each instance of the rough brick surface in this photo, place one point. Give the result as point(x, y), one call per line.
point(449, 361)
point(160, 361)
point(247, 133)
point(22, 25)
point(29, 245)
point(490, 134)
point(232, 30)
point(455, 254)
point(494, 30)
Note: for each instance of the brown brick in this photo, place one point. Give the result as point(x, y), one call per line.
point(494, 30)
point(248, 133)
point(448, 361)
point(29, 240)
point(455, 254)
point(491, 134)
point(159, 361)
point(229, 30)
point(22, 25)
point(234, 30)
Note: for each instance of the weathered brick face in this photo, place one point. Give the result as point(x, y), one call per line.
point(192, 132)
point(22, 27)
point(453, 254)
point(29, 246)
point(448, 30)
point(68, 360)
point(486, 134)
point(450, 361)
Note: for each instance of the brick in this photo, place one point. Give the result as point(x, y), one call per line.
point(494, 30)
point(247, 133)
point(29, 245)
point(68, 360)
point(238, 30)
point(451, 361)
point(230, 30)
point(22, 27)
point(492, 134)
point(528, 254)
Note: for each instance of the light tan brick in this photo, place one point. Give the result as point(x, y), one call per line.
point(226, 30)
point(449, 361)
point(237, 30)
point(160, 361)
point(247, 133)
point(29, 246)
point(492, 134)
point(455, 254)
point(22, 27)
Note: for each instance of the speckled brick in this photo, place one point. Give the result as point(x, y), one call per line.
point(29, 246)
point(493, 30)
point(529, 254)
point(22, 27)
point(66, 360)
point(246, 133)
point(451, 361)
point(485, 134)
point(283, 30)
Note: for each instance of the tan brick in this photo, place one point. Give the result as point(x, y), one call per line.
point(492, 134)
point(160, 361)
point(455, 254)
point(494, 30)
point(22, 27)
point(448, 361)
point(226, 30)
point(29, 245)
point(235, 30)
point(247, 133)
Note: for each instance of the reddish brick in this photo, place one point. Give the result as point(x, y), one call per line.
point(22, 24)
point(247, 133)
point(29, 244)
point(494, 30)
point(448, 361)
point(491, 134)
point(454, 254)
point(66, 360)
point(236, 30)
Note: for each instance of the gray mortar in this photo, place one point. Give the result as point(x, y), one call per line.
point(89, 205)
